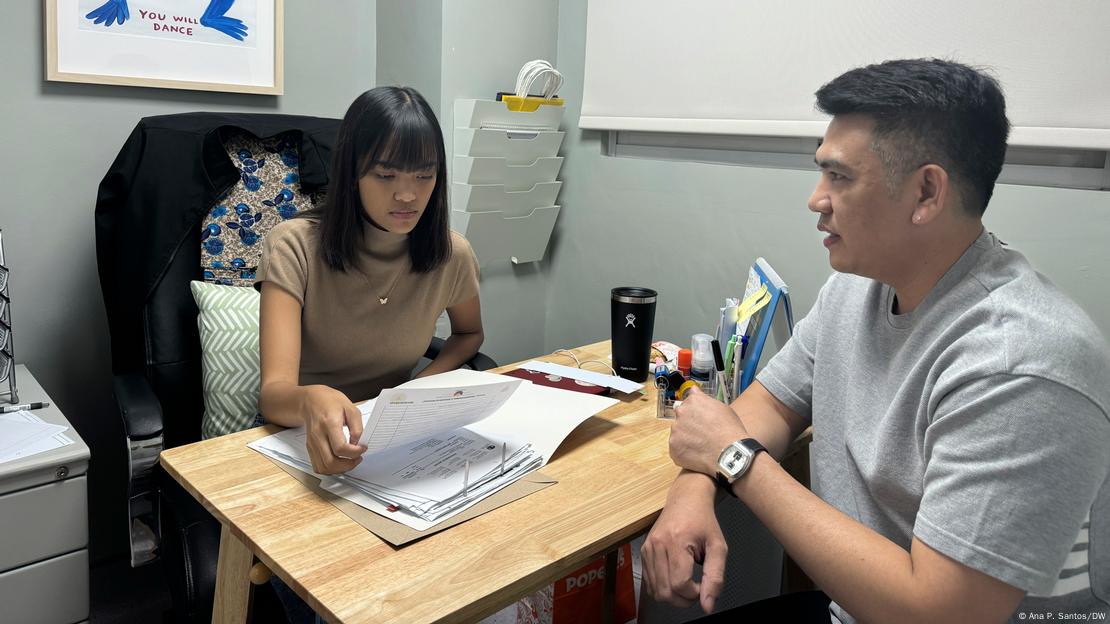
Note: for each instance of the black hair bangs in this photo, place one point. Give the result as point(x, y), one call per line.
point(411, 143)
point(394, 128)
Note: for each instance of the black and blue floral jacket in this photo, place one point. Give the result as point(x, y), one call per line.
point(165, 181)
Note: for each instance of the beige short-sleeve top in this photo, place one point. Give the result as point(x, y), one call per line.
point(349, 340)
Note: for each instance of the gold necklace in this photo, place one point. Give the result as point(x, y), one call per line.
point(382, 299)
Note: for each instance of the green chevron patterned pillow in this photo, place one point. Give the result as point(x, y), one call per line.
point(229, 344)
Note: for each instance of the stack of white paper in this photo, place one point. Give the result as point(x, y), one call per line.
point(22, 434)
point(438, 476)
point(440, 444)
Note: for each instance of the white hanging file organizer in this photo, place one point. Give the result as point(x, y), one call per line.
point(505, 178)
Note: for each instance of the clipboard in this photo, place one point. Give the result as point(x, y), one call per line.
point(763, 323)
point(398, 534)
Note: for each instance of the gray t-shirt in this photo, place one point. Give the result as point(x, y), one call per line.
point(977, 423)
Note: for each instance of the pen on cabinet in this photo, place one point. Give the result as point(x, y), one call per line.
point(26, 406)
point(719, 362)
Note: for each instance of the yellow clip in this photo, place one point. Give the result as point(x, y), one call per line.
point(528, 104)
point(752, 304)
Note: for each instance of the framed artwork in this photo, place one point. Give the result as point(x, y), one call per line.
point(207, 45)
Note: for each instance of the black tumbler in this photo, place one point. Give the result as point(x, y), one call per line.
point(632, 311)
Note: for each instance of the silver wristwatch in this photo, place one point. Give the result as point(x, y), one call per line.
point(735, 460)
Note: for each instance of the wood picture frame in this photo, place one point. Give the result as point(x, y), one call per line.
point(234, 46)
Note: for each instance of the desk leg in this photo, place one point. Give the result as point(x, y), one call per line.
point(610, 586)
point(233, 586)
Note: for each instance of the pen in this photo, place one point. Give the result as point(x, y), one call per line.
point(728, 356)
point(660, 374)
point(26, 406)
point(719, 362)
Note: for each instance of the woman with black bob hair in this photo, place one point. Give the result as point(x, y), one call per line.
point(352, 289)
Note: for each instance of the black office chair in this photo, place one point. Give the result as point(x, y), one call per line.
point(161, 406)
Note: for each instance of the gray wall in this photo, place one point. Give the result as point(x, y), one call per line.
point(410, 43)
point(485, 42)
point(482, 45)
point(687, 229)
point(690, 230)
point(60, 140)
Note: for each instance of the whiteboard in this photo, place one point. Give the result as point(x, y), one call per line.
point(751, 67)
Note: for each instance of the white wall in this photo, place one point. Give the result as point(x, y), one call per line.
point(59, 140)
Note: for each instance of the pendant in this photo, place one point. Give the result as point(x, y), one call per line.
point(383, 300)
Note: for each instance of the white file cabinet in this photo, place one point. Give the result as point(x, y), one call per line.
point(504, 189)
point(44, 557)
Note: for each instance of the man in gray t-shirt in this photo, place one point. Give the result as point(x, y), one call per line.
point(959, 401)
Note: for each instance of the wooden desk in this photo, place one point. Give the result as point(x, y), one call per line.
point(613, 473)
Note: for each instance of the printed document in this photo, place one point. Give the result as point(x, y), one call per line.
point(440, 444)
point(405, 414)
point(23, 433)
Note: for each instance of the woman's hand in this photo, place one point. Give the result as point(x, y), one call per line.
point(322, 410)
point(326, 410)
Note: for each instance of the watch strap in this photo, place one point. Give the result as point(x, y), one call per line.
point(752, 445)
point(723, 483)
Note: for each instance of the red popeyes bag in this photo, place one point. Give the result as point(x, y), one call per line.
point(579, 597)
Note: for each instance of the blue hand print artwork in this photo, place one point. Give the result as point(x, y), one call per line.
point(111, 12)
point(204, 45)
point(205, 21)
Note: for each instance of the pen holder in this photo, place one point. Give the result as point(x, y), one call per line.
point(664, 407)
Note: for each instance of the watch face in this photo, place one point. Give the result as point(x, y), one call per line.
point(734, 462)
point(737, 457)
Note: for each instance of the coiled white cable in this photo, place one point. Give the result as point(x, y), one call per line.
point(532, 71)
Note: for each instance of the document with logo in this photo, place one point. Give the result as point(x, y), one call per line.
point(441, 444)
point(404, 414)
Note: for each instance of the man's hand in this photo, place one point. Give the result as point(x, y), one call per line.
point(703, 427)
point(686, 533)
point(326, 410)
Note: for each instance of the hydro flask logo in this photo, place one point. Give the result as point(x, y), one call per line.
point(630, 320)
